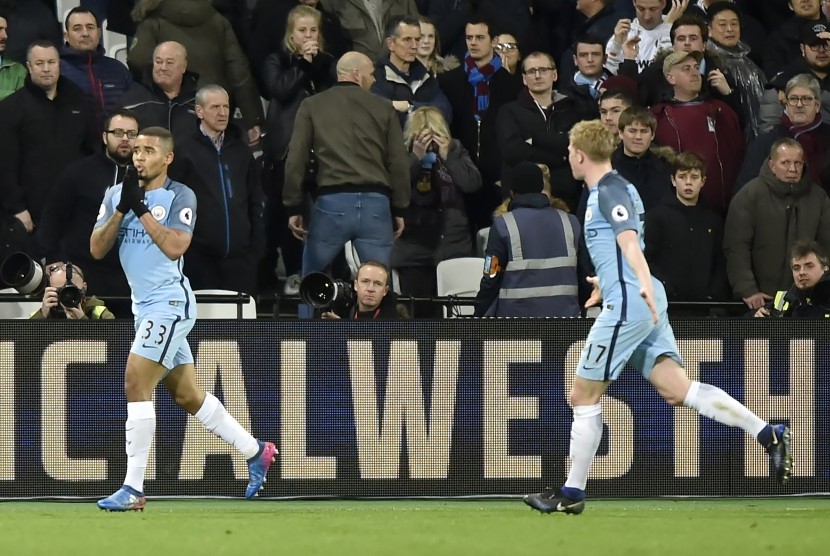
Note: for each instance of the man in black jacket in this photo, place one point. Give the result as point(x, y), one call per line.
point(809, 296)
point(476, 91)
point(166, 97)
point(221, 170)
point(73, 207)
point(535, 127)
point(783, 43)
point(44, 127)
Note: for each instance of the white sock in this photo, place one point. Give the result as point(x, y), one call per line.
point(217, 420)
point(139, 431)
point(710, 401)
point(586, 434)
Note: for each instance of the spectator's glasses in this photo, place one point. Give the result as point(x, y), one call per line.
point(61, 267)
point(506, 46)
point(803, 101)
point(538, 71)
point(823, 45)
point(120, 133)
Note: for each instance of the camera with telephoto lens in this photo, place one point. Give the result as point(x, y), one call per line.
point(70, 295)
point(321, 291)
point(28, 277)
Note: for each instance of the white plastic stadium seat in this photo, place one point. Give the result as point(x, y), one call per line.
point(223, 310)
point(461, 278)
point(16, 309)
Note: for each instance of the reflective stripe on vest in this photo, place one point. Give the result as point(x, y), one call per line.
point(779, 304)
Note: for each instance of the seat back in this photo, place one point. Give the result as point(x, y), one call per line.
point(16, 309)
point(207, 310)
point(460, 278)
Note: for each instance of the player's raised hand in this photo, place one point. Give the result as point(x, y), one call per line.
point(596, 296)
point(647, 293)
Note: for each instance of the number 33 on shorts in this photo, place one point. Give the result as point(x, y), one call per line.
point(160, 337)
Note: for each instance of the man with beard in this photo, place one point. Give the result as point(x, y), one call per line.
point(808, 297)
point(12, 74)
point(73, 206)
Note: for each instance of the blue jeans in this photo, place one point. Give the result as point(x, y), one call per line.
point(365, 219)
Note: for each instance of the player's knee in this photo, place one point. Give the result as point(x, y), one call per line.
point(673, 399)
point(190, 401)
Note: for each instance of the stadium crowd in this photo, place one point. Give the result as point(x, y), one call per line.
point(722, 110)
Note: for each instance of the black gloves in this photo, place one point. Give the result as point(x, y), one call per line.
point(132, 195)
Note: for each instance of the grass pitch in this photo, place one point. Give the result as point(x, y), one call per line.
point(731, 527)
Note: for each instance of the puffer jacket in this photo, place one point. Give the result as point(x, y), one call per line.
point(102, 79)
point(766, 217)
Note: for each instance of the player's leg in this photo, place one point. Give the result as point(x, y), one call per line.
point(608, 347)
point(659, 354)
point(141, 377)
point(208, 410)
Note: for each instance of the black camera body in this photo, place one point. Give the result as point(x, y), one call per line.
point(321, 291)
point(28, 277)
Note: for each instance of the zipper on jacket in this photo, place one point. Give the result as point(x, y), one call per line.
point(226, 195)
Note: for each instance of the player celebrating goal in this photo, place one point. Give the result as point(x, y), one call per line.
point(152, 238)
point(632, 328)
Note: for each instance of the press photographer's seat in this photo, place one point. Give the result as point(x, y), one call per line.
point(16, 309)
point(208, 310)
point(460, 278)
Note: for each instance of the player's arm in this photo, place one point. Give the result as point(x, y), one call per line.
point(629, 244)
point(173, 243)
point(106, 228)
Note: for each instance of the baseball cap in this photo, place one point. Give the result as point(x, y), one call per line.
point(808, 33)
point(678, 56)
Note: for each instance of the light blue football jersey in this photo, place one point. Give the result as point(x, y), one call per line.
point(613, 207)
point(158, 284)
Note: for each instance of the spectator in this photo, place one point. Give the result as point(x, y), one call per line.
point(72, 208)
point(725, 42)
point(535, 127)
point(803, 121)
point(706, 127)
point(271, 15)
point(530, 263)
point(507, 48)
point(29, 22)
point(476, 91)
point(374, 301)
point(12, 74)
point(429, 50)
point(589, 59)
point(645, 168)
point(61, 275)
point(450, 18)
point(688, 33)
point(766, 218)
point(364, 21)
point(648, 33)
point(166, 96)
point(84, 62)
point(684, 239)
point(752, 32)
point(214, 54)
point(783, 42)
point(219, 167)
point(814, 61)
point(44, 127)
point(809, 296)
point(301, 68)
point(363, 165)
point(594, 17)
point(436, 220)
point(401, 77)
point(612, 103)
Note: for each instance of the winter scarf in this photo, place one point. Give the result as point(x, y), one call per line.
point(479, 78)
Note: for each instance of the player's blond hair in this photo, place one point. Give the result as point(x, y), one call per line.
point(593, 138)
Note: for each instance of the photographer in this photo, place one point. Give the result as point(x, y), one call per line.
point(66, 286)
point(374, 300)
point(809, 296)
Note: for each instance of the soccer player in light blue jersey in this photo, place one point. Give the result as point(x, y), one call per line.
point(151, 218)
point(631, 328)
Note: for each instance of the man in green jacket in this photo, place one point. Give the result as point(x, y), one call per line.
point(62, 278)
point(12, 74)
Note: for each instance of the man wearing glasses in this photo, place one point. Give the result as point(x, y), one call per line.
point(59, 303)
point(801, 120)
point(535, 127)
point(72, 208)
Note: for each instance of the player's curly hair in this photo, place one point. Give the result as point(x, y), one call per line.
point(594, 139)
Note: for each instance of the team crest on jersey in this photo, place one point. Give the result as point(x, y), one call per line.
point(588, 214)
point(101, 212)
point(186, 216)
point(619, 213)
point(158, 212)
